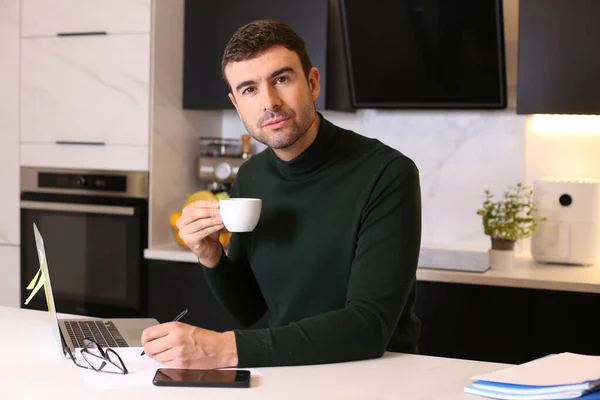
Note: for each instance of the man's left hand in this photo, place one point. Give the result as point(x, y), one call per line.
point(179, 345)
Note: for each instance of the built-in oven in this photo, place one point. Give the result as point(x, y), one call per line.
point(94, 225)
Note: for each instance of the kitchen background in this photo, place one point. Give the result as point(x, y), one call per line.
point(459, 153)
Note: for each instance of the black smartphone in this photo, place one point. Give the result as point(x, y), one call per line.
point(228, 378)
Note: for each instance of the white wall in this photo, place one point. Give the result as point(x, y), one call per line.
point(9, 153)
point(9, 122)
point(174, 143)
point(563, 146)
point(459, 154)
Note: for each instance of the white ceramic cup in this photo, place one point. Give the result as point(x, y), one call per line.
point(240, 214)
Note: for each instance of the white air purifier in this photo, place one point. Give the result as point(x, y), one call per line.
point(571, 232)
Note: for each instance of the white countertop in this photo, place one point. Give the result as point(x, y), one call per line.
point(525, 274)
point(33, 367)
point(170, 252)
point(440, 264)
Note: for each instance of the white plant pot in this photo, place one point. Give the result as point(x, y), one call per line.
point(501, 259)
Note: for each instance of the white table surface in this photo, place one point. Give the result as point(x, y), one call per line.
point(32, 367)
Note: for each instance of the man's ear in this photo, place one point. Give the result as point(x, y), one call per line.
point(314, 83)
point(232, 98)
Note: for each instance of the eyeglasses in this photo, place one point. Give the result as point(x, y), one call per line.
point(99, 360)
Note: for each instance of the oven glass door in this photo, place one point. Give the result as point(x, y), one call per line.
point(94, 254)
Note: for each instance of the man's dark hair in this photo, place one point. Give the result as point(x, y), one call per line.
point(256, 37)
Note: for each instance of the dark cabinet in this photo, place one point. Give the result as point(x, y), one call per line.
point(474, 322)
point(209, 25)
point(500, 324)
point(559, 57)
point(175, 286)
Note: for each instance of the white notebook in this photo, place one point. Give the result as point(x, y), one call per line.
point(559, 369)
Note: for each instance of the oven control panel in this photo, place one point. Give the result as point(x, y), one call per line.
point(85, 182)
point(93, 182)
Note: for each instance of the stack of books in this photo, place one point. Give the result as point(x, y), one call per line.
point(559, 376)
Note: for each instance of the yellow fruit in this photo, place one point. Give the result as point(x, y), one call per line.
point(173, 219)
point(222, 195)
point(199, 195)
point(178, 238)
point(224, 238)
point(173, 222)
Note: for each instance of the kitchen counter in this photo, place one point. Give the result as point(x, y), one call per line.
point(170, 252)
point(527, 274)
point(452, 265)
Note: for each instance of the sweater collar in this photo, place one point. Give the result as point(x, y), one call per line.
point(314, 157)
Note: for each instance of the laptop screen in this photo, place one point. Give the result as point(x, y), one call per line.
point(39, 244)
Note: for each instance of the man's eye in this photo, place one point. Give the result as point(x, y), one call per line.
point(249, 90)
point(282, 79)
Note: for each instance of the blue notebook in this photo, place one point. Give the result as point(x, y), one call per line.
point(568, 394)
point(527, 389)
point(558, 376)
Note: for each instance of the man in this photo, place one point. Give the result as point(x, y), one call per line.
point(334, 255)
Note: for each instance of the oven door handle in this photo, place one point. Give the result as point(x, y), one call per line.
point(76, 207)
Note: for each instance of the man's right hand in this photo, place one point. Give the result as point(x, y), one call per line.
point(199, 227)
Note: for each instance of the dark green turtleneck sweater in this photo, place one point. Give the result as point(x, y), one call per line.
point(334, 255)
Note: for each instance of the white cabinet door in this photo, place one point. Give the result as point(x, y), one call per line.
point(10, 276)
point(113, 158)
point(51, 17)
point(9, 121)
point(92, 89)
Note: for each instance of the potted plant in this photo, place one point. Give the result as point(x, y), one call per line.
point(507, 220)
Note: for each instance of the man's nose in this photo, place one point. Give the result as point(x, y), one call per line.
point(271, 100)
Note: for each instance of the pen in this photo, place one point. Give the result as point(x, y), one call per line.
point(177, 318)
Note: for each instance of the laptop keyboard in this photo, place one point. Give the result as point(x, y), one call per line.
point(103, 332)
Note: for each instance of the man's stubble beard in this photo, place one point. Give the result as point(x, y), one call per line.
point(296, 131)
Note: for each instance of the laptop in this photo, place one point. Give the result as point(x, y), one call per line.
point(116, 332)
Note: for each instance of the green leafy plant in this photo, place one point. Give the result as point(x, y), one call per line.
point(511, 218)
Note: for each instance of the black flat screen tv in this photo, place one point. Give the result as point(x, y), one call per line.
point(440, 54)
